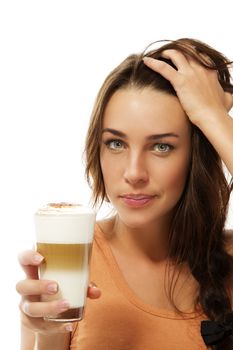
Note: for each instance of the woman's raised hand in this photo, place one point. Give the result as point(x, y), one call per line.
point(197, 87)
point(31, 289)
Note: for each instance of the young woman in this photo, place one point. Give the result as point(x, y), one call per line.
point(159, 132)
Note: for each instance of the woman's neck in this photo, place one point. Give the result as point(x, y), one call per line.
point(148, 242)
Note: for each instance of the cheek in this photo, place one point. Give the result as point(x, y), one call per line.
point(175, 175)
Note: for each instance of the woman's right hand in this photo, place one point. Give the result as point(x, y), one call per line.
point(32, 309)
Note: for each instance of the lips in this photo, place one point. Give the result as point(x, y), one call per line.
point(136, 196)
point(137, 200)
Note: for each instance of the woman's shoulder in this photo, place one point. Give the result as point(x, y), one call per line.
point(103, 232)
point(105, 226)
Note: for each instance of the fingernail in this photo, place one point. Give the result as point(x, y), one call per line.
point(147, 59)
point(64, 305)
point(25, 307)
point(38, 258)
point(92, 285)
point(68, 328)
point(52, 288)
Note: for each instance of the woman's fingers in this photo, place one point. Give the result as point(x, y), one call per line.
point(162, 68)
point(36, 308)
point(30, 257)
point(52, 308)
point(43, 309)
point(36, 287)
point(93, 291)
point(179, 59)
point(197, 87)
point(30, 260)
point(33, 309)
point(38, 324)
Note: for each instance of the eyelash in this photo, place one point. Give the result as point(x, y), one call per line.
point(108, 144)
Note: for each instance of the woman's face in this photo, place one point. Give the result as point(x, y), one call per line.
point(145, 154)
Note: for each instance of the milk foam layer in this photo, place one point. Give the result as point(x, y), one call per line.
point(64, 223)
point(63, 208)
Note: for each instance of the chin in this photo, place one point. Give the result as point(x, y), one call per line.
point(137, 221)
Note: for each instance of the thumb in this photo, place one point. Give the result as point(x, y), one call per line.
point(93, 291)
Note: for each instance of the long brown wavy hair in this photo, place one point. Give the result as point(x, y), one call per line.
point(197, 233)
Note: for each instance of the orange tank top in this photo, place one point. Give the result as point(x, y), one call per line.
point(120, 320)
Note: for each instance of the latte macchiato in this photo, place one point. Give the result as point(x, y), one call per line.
point(64, 235)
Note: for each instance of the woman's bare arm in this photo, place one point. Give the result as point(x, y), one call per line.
point(218, 128)
point(28, 339)
point(36, 341)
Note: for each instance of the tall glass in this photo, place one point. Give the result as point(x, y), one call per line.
point(64, 236)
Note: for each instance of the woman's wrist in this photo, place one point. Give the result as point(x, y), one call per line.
point(218, 129)
point(212, 119)
point(58, 341)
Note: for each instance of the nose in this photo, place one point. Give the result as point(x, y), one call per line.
point(136, 170)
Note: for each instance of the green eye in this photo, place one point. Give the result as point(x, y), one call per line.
point(162, 147)
point(114, 144)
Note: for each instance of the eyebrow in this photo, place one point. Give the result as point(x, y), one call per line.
point(150, 137)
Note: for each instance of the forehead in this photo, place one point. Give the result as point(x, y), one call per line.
point(145, 110)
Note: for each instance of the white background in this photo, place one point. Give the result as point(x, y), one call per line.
point(54, 56)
